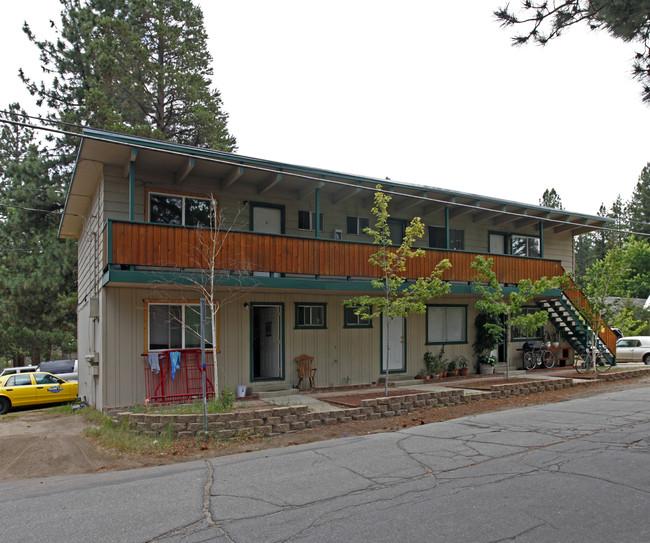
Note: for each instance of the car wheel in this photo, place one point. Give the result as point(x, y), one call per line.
point(646, 359)
point(5, 405)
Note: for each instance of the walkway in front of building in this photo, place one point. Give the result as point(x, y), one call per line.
point(316, 399)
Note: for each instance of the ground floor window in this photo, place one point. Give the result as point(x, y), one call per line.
point(446, 324)
point(517, 334)
point(176, 326)
point(310, 315)
point(351, 320)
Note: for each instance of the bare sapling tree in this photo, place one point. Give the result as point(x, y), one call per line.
point(399, 299)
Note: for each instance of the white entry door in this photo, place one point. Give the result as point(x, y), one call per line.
point(267, 220)
point(497, 244)
point(394, 343)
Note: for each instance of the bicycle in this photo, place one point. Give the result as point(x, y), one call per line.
point(583, 365)
point(538, 356)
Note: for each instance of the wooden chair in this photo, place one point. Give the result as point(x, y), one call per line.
point(305, 370)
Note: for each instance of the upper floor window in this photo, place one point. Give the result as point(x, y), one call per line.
point(438, 238)
point(525, 246)
point(307, 220)
point(357, 225)
point(179, 209)
point(310, 315)
point(176, 326)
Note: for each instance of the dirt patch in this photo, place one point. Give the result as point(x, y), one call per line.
point(37, 443)
point(351, 399)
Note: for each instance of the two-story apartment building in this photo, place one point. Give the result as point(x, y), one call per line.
point(292, 249)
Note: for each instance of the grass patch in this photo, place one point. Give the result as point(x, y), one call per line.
point(118, 436)
point(221, 404)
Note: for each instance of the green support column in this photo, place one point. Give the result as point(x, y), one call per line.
point(317, 225)
point(447, 227)
point(541, 239)
point(134, 154)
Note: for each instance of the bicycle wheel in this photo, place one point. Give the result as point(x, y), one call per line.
point(581, 365)
point(602, 364)
point(529, 361)
point(549, 361)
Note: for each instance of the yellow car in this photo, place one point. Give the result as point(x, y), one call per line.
point(34, 389)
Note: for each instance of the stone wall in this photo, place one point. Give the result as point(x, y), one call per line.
point(271, 421)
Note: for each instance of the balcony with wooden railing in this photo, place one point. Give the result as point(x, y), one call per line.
point(162, 246)
point(146, 245)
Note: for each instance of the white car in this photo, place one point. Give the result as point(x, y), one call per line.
point(633, 349)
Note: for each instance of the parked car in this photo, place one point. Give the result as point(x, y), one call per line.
point(66, 369)
point(633, 349)
point(18, 369)
point(34, 388)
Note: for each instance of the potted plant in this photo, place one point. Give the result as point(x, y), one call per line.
point(452, 371)
point(435, 363)
point(462, 365)
point(489, 334)
point(553, 338)
point(486, 363)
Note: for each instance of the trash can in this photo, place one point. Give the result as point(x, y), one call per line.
point(241, 391)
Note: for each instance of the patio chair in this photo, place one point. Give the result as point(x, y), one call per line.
point(306, 371)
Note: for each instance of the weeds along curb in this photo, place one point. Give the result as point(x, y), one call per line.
point(279, 420)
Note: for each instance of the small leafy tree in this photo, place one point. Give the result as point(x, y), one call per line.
point(495, 301)
point(399, 300)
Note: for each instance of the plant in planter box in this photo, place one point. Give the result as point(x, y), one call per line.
point(435, 363)
point(462, 364)
point(452, 371)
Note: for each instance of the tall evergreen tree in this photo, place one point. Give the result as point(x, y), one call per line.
point(639, 206)
point(37, 270)
point(133, 66)
point(551, 199)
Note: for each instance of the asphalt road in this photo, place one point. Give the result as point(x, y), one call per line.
point(572, 471)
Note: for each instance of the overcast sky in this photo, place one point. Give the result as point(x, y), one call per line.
point(426, 92)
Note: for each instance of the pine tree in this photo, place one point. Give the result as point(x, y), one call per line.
point(37, 270)
point(134, 66)
point(639, 206)
point(551, 199)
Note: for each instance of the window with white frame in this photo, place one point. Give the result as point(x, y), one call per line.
point(438, 238)
point(307, 220)
point(352, 320)
point(517, 334)
point(357, 225)
point(176, 326)
point(446, 324)
point(521, 245)
point(179, 209)
point(310, 315)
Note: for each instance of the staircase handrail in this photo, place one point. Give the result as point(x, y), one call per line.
point(580, 302)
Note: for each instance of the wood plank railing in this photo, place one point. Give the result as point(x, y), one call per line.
point(155, 245)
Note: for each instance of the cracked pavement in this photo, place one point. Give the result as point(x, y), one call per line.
point(573, 471)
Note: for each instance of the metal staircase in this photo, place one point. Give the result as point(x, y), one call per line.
point(572, 325)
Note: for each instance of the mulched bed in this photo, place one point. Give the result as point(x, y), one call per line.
point(486, 383)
